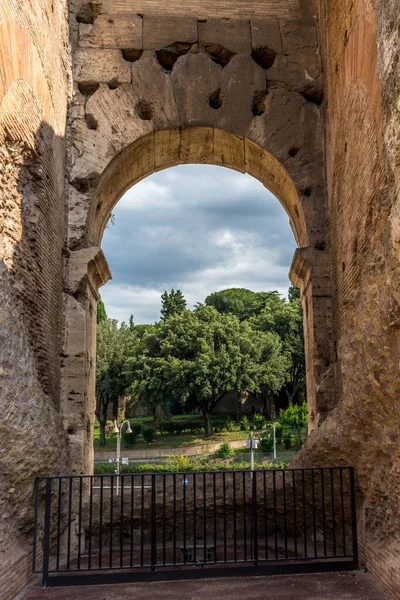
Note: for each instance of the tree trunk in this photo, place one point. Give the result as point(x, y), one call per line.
point(207, 423)
point(103, 423)
point(154, 419)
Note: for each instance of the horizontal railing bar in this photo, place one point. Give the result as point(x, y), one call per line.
point(149, 473)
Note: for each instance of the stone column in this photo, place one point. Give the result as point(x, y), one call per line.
point(310, 272)
point(86, 271)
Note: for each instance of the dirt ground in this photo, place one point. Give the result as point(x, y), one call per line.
point(330, 586)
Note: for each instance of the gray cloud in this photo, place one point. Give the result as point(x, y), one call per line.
point(198, 228)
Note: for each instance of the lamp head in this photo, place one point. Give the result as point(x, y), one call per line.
point(128, 429)
point(115, 430)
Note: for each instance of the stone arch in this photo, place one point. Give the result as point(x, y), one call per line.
point(88, 269)
point(161, 149)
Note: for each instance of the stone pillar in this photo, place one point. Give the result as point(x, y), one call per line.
point(86, 271)
point(310, 272)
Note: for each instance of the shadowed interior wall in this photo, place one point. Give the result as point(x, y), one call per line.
point(34, 74)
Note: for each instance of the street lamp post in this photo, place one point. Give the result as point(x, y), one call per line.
point(118, 431)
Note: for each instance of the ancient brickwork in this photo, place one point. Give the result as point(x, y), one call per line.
point(362, 178)
point(34, 71)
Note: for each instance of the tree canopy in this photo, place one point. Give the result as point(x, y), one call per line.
point(239, 340)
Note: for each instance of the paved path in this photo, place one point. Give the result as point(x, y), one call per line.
point(332, 586)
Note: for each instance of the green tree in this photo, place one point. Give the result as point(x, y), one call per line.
point(240, 302)
point(286, 320)
point(101, 312)
point(172, 303)
point(272, 366)
point(295, 417)
point(110, 379)
point(194, 357)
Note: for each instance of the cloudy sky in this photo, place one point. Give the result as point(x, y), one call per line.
point(198, 228)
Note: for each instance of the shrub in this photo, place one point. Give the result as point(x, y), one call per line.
point(129, 438)
point(266, 443)
point(221, 423)
point(180, 463)
point(225, 451)
point(259, 421)
point(177, 427)
point(279, 431)
point(136, 429)
point(148, 435)
point(244, 423)
point(233, 426)
point(287, 440)
point(189, 465)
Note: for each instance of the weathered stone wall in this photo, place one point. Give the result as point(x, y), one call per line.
point(34, 73)
point(362, 146)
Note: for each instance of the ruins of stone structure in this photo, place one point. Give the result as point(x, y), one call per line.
point(301, 94)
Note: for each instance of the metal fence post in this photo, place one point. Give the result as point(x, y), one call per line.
point(255, 532)
point(353, 517)
point(46, 533)
point(153, 524)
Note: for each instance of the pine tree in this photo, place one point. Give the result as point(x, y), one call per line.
point(172, 303)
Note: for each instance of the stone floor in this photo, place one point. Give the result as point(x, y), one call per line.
point(329, 586)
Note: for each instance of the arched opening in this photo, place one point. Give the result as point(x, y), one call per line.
point(224, 242)
point(309, 271)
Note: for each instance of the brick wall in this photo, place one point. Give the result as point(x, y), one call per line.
point(362, 153)
point(34, 58)
point(15, 575)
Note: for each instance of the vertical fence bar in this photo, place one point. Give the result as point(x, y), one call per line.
point(153, 523)
point(142, 522)
point(294, 513)
point(313, 510)
point(353, 516)
point(224, 492)
point(46, 533)
point(342, 512)
point(35, 523)
point(69, 523)
point(174, 519)
point(303, 485)
point(90, 523)
point(110, 559)
point(254, 518)
point(244, 515)
point(184, 518)
point(205, 516)
point(79, 522)
point(284, 512)
point(323, 509)
point(333, 514)
point(59, 523)
point(275, 515)
point(194, 519)
point(265, 515)
point(234, 517)
point(121, 529)
point(215, 515)
point(164, 524)
point(132, 516)
point(101, 523)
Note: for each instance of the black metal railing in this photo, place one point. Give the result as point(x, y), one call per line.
point(121, 527)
